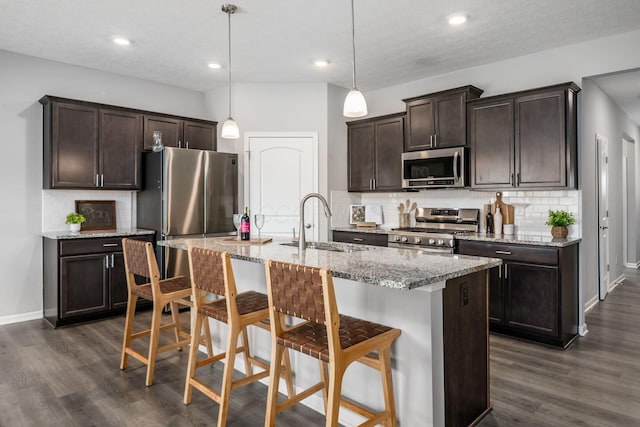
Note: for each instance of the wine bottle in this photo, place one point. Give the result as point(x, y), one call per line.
point(489, 221)
point(245, 225)
point(497, 221)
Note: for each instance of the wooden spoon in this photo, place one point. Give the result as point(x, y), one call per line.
point(401, 208)
point(414, 205)
point(407, 205)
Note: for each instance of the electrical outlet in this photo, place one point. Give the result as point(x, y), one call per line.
point(464, 295)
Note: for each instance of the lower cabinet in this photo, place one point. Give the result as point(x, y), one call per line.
point(84, 279)
point(534, 294)
point(360, 238)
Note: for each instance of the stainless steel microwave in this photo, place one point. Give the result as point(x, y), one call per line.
point(439, 168)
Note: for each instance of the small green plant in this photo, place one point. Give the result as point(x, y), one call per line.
point(560, 218)
point(75, 218)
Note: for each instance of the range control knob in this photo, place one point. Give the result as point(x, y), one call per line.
point(405, 239)
point(432, 242)
point(418, 240)
point(396, 238)
point(440, 242)
point(451, 242)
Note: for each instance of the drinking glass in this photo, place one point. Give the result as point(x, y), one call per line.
point(237, 218)
point(258, 221)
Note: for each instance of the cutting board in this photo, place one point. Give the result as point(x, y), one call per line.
point(235, 241)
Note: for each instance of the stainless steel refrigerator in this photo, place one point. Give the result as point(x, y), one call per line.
point(187, 193)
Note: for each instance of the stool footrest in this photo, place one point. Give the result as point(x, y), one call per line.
point(137, 355)
point(173, 346)
point(250, 379)
point(298, 397)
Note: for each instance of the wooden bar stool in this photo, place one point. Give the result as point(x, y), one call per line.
point(140, 260)
point(211, 273)
point(334, 339)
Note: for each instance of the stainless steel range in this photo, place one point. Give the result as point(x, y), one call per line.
point(435, 229)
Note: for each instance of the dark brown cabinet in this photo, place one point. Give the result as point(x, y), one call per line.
point(526, 139)
point(176, 132)
point(375, 153)
point(84, 279)
point(438, 120)
point(534, 294)
point(360, 238)
point(87, 146)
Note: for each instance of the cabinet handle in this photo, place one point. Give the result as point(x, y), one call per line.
point(499, 272)
point(112, 260)
point(430, 141)
point(435, 140)
point(186, 145)
point(505, 272)
point(358, 239)
point(101, 180)
point(375, 184)
point(97, 180)
point(106, 262)
point(503, 252)
point(109, 245)
point(518, 179)
point(511, 179)
point(179, 144)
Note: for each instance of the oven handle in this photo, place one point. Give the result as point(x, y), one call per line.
point(421, 248)
point(455, 165)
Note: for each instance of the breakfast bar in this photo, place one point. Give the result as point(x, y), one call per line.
point(440, 362)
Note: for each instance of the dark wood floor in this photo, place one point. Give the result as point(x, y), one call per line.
point(70, 377)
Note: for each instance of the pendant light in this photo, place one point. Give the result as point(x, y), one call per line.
point(354, 104)
point(230, 127)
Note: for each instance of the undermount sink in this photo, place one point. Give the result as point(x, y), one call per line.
point(329, 246)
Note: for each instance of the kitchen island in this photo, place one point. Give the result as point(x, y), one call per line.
point(440, 362)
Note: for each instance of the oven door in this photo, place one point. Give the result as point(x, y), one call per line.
point(441, 168)
point(428, 250)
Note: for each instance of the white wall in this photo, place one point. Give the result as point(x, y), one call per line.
point(275, 108)
point(23, 81)
point(603, 117)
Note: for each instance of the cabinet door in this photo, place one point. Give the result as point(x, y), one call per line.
point(389, 137)
point(496, 296)
point(171, 131)
point(540, 140)
point(451, 121)
point(83, 285)
point(118, 293)
point(200, 136)
point(74, 150)
point(532, 298)
point(491, 127)
point(421, 124)
point(120, 147)
point(361, 156)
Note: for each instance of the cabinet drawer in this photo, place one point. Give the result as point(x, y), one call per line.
point(96, 246)
point(373, 239)
point(510, 252)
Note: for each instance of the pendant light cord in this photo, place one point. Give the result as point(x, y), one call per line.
point(229, 57)
point(353, 44)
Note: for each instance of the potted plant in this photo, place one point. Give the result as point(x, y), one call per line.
point(74, 220)
point(559, 221)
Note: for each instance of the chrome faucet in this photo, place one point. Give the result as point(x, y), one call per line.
point(302, 241)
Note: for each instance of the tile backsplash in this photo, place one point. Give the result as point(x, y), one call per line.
point(531, 207)
point(56, 204)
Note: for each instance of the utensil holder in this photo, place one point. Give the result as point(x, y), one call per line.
point(404, 220)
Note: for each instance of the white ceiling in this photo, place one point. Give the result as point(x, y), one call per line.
point(396, 41)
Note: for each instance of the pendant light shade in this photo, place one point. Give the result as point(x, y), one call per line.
point(230, 127)
point(354, 104)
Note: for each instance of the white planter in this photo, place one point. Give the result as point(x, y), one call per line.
point(74, 227)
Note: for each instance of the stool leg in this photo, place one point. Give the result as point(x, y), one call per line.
point(193, 358)
point(336, 372)
point(286, 373)
point(247, 353)
point(153, 342)
point(128, 329)
point(387, 385)
point(207, 337)
point(227, 377)
point(175, 316)
point(274, 375)
point(323, 377)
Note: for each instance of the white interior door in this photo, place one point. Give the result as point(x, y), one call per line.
point(282, 169)
point(603, 216)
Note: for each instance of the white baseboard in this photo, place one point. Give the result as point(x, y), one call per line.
point(635, 265)
point(591, 303)
point(616, 282)
point(22, 317)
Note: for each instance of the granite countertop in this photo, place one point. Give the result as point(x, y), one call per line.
point(66, 234)
point(354, 229)
point(521, 239)
point(389, 267)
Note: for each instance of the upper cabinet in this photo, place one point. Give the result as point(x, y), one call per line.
point(86, 146)
point(193, 134)
point(526, 139)
point(438, 120)
point(375, 153)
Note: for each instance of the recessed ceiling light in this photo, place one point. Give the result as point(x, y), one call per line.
point(321, 63)
point(458, 18)
point(122, 41)
point(214, 65)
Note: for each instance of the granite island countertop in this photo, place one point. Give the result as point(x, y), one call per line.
point(88, 234)
point(389, 267)
point(521, 239)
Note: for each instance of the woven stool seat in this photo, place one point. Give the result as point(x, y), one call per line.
point(247, 302)
point(167, 286)
point(311, 338)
